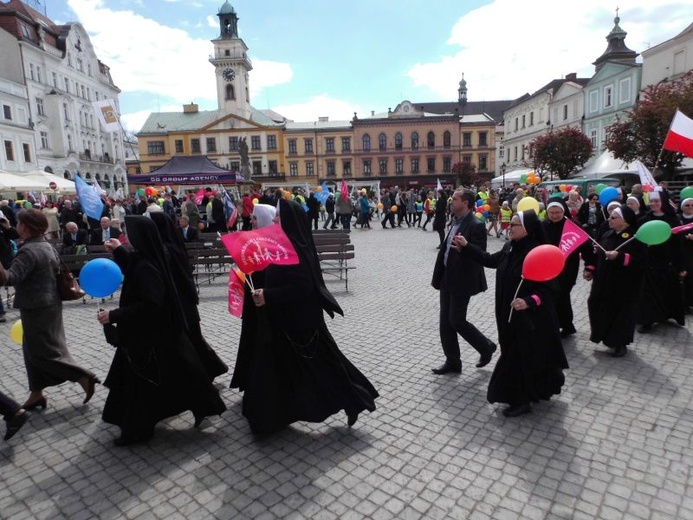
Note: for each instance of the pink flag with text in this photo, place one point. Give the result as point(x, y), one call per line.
point(236, 292)
point(572, 238)
point(255, 250)
point(681, 229)
point(199, 196)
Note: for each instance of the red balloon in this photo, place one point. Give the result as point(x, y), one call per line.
point(543, 263)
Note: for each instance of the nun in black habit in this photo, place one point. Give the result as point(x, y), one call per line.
point(531, 364)
point(556, 213)
point(298, 372)
point(155, 372)
point(662, 295)
point(616, 277)
point(181, 271)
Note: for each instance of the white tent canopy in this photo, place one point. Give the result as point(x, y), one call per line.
point(510, 177)
point(45, 178)
point(19, 182)
point(606, 165)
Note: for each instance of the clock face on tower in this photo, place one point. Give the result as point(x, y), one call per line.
point(229, 74)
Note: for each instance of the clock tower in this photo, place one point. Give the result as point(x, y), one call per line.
point(231, 65)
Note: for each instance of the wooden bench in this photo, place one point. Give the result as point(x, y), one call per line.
point(334, 250)
point(75, 263)
point(208, 262)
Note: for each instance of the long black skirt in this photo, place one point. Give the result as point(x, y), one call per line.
point(302, 376)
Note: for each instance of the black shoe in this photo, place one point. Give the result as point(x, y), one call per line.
point(644, 329)
point(620, 351)
point(128, 439)
point(90, 389)
point(568, 331)
point(518, 409)
point(40, 403)
point(448, 368)
point(486, 356)
point(15, 423)
point(351, 419)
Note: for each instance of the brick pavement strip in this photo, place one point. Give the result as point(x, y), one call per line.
point(616, 444)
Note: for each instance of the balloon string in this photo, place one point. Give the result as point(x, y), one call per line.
point(249, 277)
point(510, 316)
point(619, 247)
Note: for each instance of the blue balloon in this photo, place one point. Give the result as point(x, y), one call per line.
point(100, 277)
point(607, 195)
point(479, 203)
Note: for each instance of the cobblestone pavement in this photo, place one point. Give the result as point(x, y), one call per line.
point(615, 444)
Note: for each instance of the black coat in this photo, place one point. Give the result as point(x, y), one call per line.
point(462, 276)
point(82, 238)
point(616, 288)
point(441, 214)
point(532, 360)
point(155, 373)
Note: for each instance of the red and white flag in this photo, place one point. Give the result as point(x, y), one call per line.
point(236, 292)
point(573, 237)
point(257, 249)
point(680, 136)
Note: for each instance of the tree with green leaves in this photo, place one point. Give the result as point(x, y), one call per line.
point(466, 173)
point(642, 135)
point(561, 151)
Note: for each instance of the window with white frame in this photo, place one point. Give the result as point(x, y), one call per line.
point(608, 96)
point(594, 100)
point(593, 138)
point(39, 107)
point(7, 112)
point(9, 151)
point(293, 169)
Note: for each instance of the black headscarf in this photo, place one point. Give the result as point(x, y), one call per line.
point(628, 215)
point(296, 225)
point(530, 221)
point(177, 255)
point(145, 239)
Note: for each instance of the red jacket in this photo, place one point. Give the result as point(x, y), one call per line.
point(247, 207)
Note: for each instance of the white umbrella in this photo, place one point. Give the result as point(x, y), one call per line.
point(62, 185)
point(18, 182)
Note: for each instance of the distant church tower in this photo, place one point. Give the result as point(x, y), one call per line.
point(231, 65)
point(462, 91)
point(616, 50)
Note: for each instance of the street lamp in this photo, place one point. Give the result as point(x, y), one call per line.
point(503, 173)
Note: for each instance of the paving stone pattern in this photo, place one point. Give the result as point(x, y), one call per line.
point(615, 444)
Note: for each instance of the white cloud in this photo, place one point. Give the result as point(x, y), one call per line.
point(161, 60)
point(508, 48)
point(319, 106)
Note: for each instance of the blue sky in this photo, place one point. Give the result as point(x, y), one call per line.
point(316, 58)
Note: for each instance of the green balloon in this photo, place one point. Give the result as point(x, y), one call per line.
point(653, 232)
point(687, 192)
point(599, 187)
point(523, 178)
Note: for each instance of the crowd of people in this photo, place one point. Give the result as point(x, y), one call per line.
point(288, 366)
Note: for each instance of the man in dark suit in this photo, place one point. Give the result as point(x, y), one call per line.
point(189, 233)
point(104, 232)
point(73, 237)
point(458, 278)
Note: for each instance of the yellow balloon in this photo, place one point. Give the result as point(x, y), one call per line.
point(17, 332)
point(255, 201)
point(528, 203)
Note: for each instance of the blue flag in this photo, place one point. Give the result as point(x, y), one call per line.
point(88, 198)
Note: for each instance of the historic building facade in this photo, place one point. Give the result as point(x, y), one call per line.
point(63, 77)
point(669, 60)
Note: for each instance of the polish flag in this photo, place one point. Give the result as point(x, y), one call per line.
point(680, 136)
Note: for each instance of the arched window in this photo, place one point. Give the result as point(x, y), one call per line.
point(414, 140)
point(446, 139)
point(88, 176)
point(382, 142)
point(431, 140)
point(230, 92)
point(366, 142)
point(67, 175)
point(48, 169)
point(398, 141)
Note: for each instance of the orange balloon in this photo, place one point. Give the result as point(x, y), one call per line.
point(393, 209)
point(287, 195)
point(380, 205)
point(201, 225)
point(487, 207)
